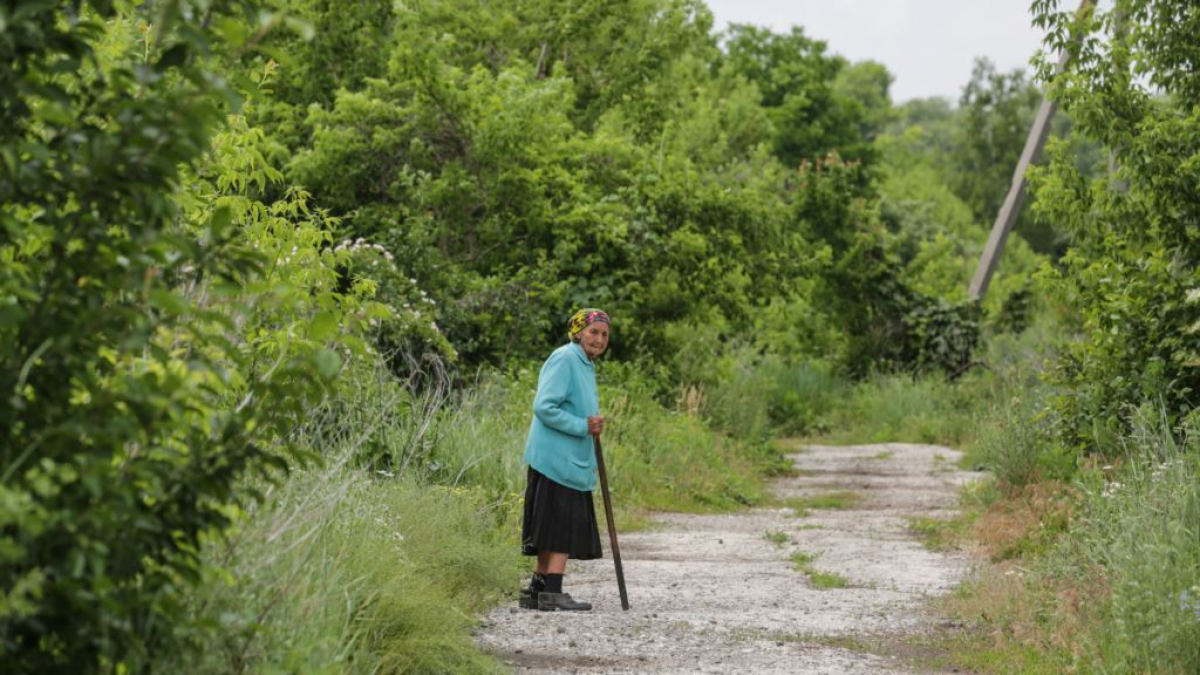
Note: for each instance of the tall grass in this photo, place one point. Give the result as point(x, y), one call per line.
point(898, 408)
point(1115, 589)
point(350, 567)
point(342, 573)
point(1141, 531)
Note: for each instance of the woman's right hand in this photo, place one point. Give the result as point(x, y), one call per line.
point(595, 425)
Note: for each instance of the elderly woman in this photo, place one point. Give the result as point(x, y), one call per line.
point(560, 520)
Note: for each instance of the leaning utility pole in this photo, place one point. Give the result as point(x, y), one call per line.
point(1011, 207)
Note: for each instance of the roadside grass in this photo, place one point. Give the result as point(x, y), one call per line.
point(897, 408)
point(885, 454)
point(340, 572)
point(803, 562)
point(1100, 574)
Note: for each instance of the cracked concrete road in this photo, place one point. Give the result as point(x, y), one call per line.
point(710, 593)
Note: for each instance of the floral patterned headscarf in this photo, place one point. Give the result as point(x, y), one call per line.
point(582, 319)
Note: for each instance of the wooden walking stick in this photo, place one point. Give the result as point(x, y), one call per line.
point(612, 526)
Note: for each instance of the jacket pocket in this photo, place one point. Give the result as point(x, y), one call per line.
point(582, 463)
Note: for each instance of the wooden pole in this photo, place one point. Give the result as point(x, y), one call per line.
point(612, 525)
point(1011, 207)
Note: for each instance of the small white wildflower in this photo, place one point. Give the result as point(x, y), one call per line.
point(417, 313)
point(372, 322)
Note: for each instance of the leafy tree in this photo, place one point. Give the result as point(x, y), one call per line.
point(866, 84)
point(887, 322)
point(996, 111)
point(797, 80)
point(160, 330)
point(1131, 272)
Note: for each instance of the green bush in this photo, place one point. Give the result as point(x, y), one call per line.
point(1016, 442)
point(164, 322)
point(1130, 274)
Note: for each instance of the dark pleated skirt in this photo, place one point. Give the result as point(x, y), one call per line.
point(559, 519)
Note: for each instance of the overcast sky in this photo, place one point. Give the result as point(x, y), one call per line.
point(928, 45)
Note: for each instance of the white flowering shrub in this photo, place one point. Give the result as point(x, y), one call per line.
point(407, 332)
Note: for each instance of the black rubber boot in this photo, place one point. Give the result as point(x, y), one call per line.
point(529, 594)
point(561, 602)
point(528, 599)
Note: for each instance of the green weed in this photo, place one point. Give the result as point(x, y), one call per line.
point(777, 538)
point(827, 580)
point(803, 562)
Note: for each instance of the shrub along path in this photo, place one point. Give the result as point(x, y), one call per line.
point(830, 580)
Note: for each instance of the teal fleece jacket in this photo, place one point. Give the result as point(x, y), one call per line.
point(559, 446)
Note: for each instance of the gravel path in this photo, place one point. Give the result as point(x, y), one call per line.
point(711, 593)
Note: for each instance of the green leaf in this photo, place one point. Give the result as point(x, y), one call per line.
point(328, 363)
point(323, 326)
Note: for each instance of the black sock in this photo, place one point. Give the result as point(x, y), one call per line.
point(553, 583)
point(537, 583)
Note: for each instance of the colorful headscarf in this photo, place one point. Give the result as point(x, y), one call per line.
point(583, 318)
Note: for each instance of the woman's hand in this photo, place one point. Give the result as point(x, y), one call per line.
point(595, 425)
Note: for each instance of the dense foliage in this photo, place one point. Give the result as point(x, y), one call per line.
point(1132, 272)
point(162, 328)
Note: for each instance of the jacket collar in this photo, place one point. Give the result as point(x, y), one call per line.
point(578, 350)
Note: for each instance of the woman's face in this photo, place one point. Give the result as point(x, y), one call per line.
point(594, 339)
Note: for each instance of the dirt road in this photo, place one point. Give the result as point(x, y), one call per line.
point(722, 593)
